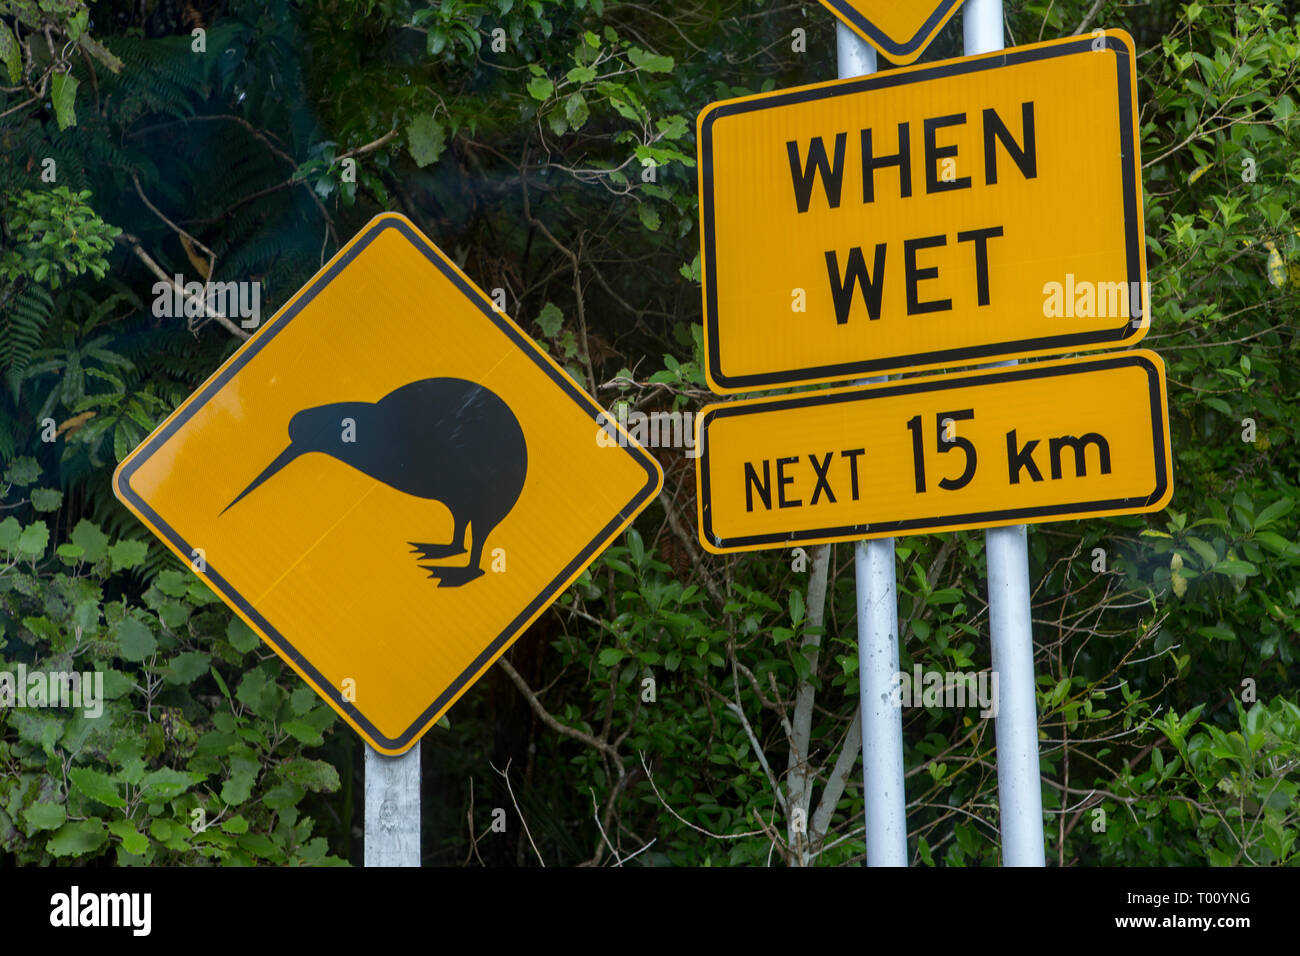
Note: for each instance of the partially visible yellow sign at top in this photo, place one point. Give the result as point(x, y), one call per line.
point(899, 30)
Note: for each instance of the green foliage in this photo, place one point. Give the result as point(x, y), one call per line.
point(168, 767)
point(54, 235)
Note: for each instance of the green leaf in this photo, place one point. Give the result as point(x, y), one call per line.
point(172, 583)
point(10, 531)
point(1277, 509)
point(237, 789)
point(170, 834)
point(100, 53)
point(610, 656)
point(550, 319)
point(283, 796)
point(134, 640)
point(242, 637)
point(576, 111)
point(312, 774)
point(303, 732)
point(133, 841)
point(649, 216)
point(1217, 633)
point(100, 787)
point(63, 93)
point(23, 471)
point(427, 139)
point(540, 88)
point(257, 694)
point(77, 839)
point(45, 630)
point(93, 541)
point(33, 540)
point(236, 825)
point(76, 25)
point(174, 614)
point(650, 62)
point(46, 499)
point(635, 546)
point(1219, 405)
point(1203, 550)
point(164, 784)
point(260, 845)
point(797, 607)
point(186, 667)
point(10, 55)
point(127, 554)
point(302, 700)
point(45, 816)
point(70, 553)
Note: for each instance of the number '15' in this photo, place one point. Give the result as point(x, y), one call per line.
point(942, 421)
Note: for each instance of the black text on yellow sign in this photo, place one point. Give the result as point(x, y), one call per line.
point(1048, 441)
point(924, 218)
point(901, 31)
point(388, 482)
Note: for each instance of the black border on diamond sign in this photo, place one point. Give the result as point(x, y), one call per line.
point(122, 480)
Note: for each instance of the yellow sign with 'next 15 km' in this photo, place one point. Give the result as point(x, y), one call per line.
point(926, 217)
point(388, 482)
point(1047, 441)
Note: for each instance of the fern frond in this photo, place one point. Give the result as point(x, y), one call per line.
point(23, 326)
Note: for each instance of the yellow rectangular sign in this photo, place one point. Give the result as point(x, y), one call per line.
point(388, 482)
point(927, 217)
point(1048, 441)
point(901, 31)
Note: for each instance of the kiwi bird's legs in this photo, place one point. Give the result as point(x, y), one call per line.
point(434, 551)
point(454, 577)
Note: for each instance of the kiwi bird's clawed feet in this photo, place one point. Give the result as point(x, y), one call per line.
point(429, 552)
point(452, 577)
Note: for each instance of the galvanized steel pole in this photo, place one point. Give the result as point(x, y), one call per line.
point(882, 720)
point(1020, 790)
point(392, 808)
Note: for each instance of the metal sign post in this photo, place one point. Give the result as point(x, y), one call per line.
point(1020, 792)
point(882, 723)
point(392, 808)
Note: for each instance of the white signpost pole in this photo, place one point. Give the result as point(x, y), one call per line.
point(882, 721)
point(392, 808)
point(1020, 790)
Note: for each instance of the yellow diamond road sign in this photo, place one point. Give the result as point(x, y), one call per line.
point(925, 217)
point(388, 482)
point(1048, 441)
point(900, 29)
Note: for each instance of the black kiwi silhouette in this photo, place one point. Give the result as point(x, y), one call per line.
point(445, 439)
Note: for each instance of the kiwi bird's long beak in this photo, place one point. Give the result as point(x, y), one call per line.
point(286, 456)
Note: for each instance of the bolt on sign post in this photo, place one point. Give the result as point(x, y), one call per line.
point(926, 217)
point(388, 482)
point(899, 30)
point(1048, 441)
